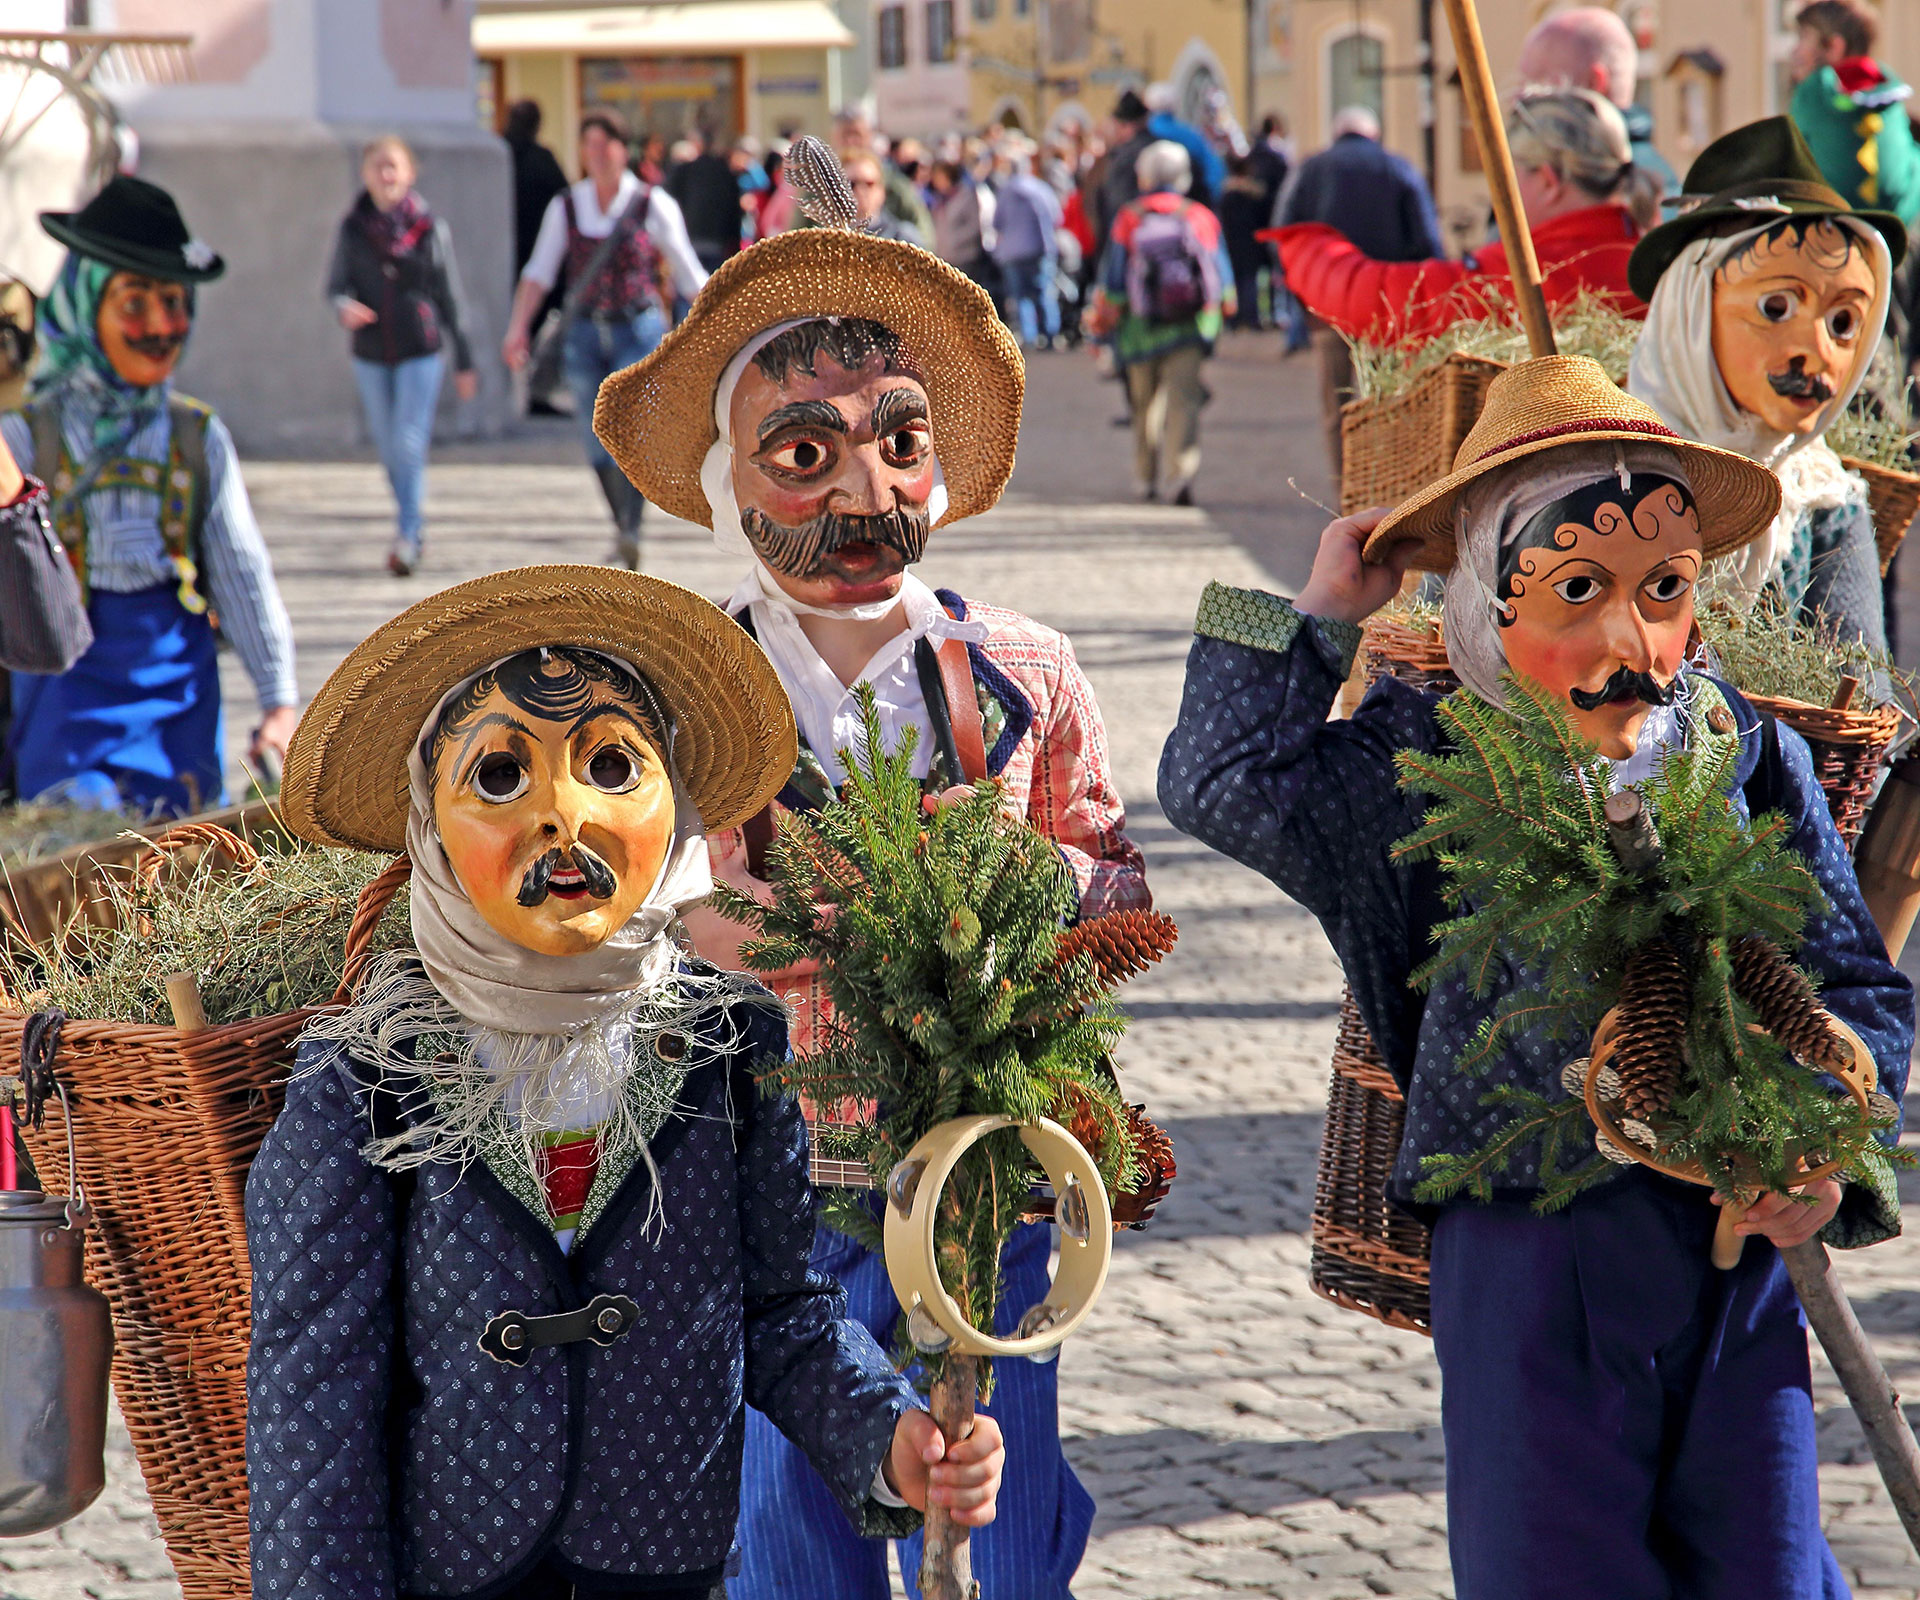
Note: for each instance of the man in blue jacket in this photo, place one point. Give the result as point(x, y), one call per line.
point(528, 1236)
point(1621, 1418)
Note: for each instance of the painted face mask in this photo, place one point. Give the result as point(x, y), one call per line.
point(1595, 601)
point(143, 326)
point(1790, 314)
point(553, 799)
point(833, 464)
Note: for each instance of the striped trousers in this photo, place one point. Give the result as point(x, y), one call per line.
point(796, 1542)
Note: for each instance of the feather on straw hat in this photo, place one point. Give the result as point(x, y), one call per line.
point(656, 417)
point(733, 747)
point(1553, 401)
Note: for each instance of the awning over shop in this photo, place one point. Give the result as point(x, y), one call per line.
point(661, 30)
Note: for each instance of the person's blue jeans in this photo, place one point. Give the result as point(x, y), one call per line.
point(1033, 298)
point(399, 399)
point(596, 349)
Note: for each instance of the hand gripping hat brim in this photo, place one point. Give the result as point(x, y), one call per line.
point(1553, 401)
point(346, 772)
point(656, 417)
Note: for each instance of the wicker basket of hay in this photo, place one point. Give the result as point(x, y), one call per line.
point(166, 1121)
point(1393, 444)
point(1893, 496)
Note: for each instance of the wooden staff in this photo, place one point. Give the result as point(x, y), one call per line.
point(1483, 108)
point(946, 1565)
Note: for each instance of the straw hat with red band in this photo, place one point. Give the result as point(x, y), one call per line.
point(1559, 400)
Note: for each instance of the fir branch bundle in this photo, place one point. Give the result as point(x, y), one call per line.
point(956, 991)
point(1515, 818)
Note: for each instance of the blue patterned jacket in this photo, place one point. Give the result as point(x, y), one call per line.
point(1255, 769)
point(387, 1453)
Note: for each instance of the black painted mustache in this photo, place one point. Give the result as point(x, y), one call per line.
point(807, 551)
point(1624, 682)
point(1797, 383)
point(535, 886)
point(156, 347)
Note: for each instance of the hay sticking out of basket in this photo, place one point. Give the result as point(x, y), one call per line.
point(261, 940)
point(1588, 326)
point(36, 830)
point(1771, 653)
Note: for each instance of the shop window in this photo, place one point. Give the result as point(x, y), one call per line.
point(985, 10)
point(892, 33)
point(940, 31)
point(663, 96)
point(1356, 66)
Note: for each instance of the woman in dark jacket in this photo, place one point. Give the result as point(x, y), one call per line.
point(395, 287)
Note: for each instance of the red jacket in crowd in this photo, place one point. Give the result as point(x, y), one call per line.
point(1391, 302)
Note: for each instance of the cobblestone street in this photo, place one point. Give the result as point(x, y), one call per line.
point(1239, 1434)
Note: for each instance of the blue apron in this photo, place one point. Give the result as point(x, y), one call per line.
point(134, 722)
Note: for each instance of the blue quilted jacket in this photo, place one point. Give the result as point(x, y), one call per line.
point(387, 1453)
point(1255, 769)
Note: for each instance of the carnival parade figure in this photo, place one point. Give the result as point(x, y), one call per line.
point(148, 500)
point(831, 397)
point(1621, 1418)
point(1766, 302)
point(529, 1234)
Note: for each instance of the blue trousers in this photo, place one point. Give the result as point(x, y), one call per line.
point(1032, 298)
point(1624, 1421)
point(796, 1542)
point(595, 351)
point(135, 721)
point(399, 399)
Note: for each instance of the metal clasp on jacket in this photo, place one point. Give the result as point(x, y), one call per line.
point(513, 1335)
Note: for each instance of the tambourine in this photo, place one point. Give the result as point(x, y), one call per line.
point(1086, 1238)
point(1861, 1079)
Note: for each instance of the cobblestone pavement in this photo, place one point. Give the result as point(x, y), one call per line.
point(1239, 1435)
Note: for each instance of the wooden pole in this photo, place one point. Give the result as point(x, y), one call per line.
point(1483, 109)
point(183, 997)
point(1869, 1391)
point(946, 1565)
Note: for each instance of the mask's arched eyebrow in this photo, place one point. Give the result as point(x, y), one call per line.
point(808, 413)
point(904, 404)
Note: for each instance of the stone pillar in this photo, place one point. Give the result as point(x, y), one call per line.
point(262, 152)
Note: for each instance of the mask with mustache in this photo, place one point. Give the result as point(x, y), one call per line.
point(1625, 684)
point(1796, 383)
point(538, 883)
point(808, 550)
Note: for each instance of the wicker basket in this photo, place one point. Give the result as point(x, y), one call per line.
point(165, 1124)
point(1392, 445)
point(1847, 747)
point(1894, 497)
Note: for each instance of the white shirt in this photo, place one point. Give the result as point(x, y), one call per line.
point(666, 227)
point(824, 707)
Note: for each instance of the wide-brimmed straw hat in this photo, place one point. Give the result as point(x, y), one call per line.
point(1553, 401)
point(733, 746)
point(656, 417)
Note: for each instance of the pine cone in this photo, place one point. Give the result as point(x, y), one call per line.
point(1654, 1000)
point(1122, 943)
point(1785, 1003)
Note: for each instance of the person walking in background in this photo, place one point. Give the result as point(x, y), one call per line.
point(1165, 284)
point(854, 137)
point(1245, 206)
point(1591, 48)
point(1381, 204)
point(773, 206)
point(1026, 213)
point(395, 288)
point(537, 177)
point(1115, 181)
point(625, 249)
point(1164, 122)
point(707, 190)
point(1853, 111)
point(867, 178)
point(963, 212)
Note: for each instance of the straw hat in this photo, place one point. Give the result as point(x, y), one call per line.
point(656, 417)
point(1560, 400)
point(346, 771)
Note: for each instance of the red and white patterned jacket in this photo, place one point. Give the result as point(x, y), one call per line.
point(1045, 741)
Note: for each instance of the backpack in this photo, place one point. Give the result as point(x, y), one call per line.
point(1171, 275)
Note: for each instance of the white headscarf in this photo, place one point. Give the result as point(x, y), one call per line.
point(493, 982)
point(1674, 371)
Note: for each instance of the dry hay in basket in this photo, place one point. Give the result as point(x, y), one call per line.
point(1769, 652)
point(261, 940)
point(36, 830)
point(1588, 326)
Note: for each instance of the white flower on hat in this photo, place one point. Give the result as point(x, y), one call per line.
point(197, 253)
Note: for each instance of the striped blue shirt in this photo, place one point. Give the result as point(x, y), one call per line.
point(125, 551)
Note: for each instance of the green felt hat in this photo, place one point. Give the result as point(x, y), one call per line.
point(1750, 177)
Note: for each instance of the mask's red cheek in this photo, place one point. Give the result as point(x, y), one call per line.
point(483, 857)
point(1556, 659)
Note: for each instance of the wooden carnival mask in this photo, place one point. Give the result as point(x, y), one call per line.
point(833, 461)
point(553, 797)
point(1597, 595)
point(1790, 312)
point(143, 325)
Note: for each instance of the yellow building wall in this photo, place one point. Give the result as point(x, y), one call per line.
point(552, 84)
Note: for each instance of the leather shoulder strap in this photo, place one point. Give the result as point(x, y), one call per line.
point(963, 708)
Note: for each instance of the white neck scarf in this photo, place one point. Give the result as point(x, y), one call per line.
point(1674, 371)
point(495, 983)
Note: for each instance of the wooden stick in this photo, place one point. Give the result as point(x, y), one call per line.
point(183, 996)
point(1869, 1391)
point(946, 1565)
point(1483, 108)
